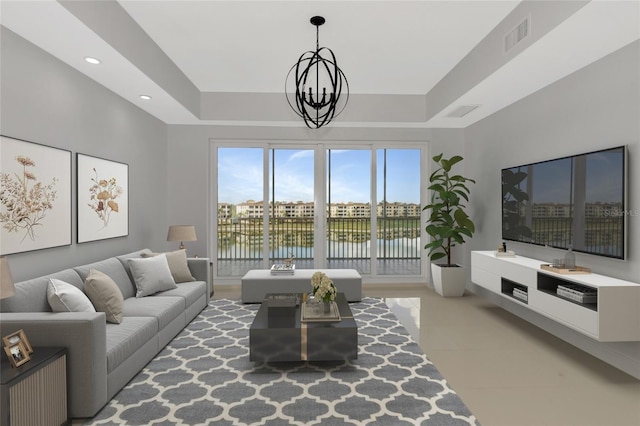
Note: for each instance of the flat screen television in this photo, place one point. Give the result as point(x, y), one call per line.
point(576, 201)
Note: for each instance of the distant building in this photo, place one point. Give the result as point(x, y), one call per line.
point(300, 209)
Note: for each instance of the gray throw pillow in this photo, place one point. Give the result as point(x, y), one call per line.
point(151, 275)
point(105, 295)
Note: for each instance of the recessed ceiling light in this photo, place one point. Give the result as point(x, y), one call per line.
point(94, 61)
point(145, 97)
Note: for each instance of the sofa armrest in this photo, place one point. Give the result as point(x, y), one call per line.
point(85, 337)
point(201, 271)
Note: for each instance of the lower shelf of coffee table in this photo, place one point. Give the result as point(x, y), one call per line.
point(290, 339)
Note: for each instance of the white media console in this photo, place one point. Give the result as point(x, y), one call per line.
point(610, 311)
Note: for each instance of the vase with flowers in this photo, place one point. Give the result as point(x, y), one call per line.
point(323, 289)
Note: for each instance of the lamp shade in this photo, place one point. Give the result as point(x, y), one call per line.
point(6, 279)
point(182, 233)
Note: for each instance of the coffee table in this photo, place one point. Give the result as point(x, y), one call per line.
point(291, 339)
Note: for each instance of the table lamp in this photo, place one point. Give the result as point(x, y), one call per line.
point(6, 279)
point(182, 233)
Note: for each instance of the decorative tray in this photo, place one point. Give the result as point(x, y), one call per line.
point(560, 269)
point(507, 253)
point(314, 312)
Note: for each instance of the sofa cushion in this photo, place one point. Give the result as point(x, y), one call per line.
point(31, 295)
point(178, 265)
point(64, 297)
point(114, 269)
point(105, 295)
point(124, 339)
point(151, 275)
point(164, 309)
point(191, 292)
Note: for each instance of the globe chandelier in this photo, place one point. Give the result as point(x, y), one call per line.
point(319, 84)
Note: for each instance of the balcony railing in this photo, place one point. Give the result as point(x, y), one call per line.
point(600, 234)
point(347, 238)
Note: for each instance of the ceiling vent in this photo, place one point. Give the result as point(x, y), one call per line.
point(518, 34)
point(461, 111)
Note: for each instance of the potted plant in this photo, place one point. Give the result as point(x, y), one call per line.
point(448, 225)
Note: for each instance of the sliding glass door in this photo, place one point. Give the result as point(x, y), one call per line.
point(348, 209)
point(324, 207)
point(291, 206)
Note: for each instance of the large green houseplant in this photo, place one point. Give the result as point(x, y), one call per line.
point(448, 224)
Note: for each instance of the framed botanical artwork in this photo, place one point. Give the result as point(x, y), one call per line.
point(103, 198)
point(18, 337)
point(17, 354)
point(35, 196)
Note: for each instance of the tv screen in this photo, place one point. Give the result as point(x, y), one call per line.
point(576, 201)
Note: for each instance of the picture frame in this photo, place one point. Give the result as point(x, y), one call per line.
point(35, 209)
point(17, 354)
point(18, 337)
point(102, 198)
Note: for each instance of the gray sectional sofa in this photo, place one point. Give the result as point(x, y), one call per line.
point(102, 356)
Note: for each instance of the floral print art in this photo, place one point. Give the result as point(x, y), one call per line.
point(25, 199)
point(103, 195)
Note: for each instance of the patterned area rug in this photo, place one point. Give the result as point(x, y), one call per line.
point(204, 377)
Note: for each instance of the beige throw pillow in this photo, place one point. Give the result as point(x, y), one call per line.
point(178, 265)
point(105, 295)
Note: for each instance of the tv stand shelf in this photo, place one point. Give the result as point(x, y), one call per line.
point(603, 308)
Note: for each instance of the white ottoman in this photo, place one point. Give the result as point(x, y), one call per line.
point(258, 282)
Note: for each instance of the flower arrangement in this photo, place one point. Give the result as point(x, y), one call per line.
point(25, 199)
point(103, 194)
point(323, 288)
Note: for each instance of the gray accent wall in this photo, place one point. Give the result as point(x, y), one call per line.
point(595, 108)
point(46, 101)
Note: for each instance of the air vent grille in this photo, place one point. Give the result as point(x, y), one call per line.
point(461, 111)
point(518, 34)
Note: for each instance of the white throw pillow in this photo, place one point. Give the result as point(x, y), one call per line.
point(151, 275)
point(178, 265)
point(65, 297)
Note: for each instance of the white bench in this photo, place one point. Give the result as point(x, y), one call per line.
point(258, 282)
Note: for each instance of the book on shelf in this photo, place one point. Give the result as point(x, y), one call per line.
point(577, 297)
point(520, 294)
point(578, 293)
point(283, 269)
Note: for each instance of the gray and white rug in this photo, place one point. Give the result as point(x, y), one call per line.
point(204, 377)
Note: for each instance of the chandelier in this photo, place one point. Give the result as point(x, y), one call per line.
point(319, 83)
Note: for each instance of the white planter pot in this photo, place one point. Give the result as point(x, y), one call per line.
point(449, 281)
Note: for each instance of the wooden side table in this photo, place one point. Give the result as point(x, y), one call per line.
point(36, 392)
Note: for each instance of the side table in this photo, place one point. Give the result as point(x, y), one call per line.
point(36, 392)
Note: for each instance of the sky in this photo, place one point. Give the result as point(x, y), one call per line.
point(240, 175)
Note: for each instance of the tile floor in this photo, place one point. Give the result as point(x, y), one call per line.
point(506, 370)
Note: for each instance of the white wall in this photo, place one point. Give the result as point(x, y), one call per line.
point(47, 102)
point(595, 108)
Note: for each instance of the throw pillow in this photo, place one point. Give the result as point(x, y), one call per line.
point(151, 275)
point(65, 297)
point(105, 295)
point(178, 265)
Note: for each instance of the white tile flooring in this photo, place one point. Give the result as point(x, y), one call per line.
point(506, 370)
